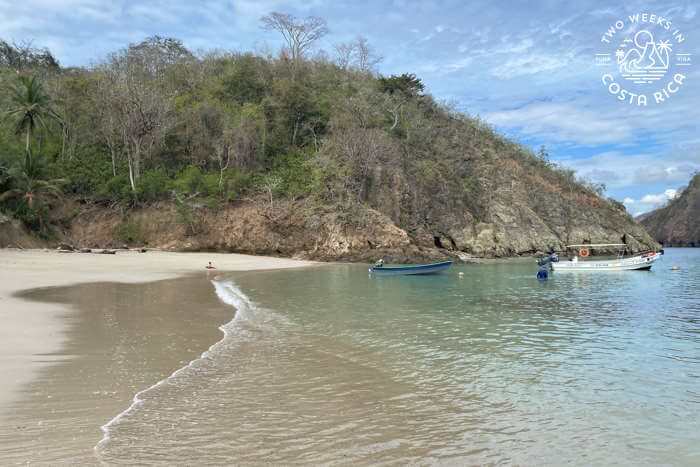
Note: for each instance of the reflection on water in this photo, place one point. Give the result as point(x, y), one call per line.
point(328, 365)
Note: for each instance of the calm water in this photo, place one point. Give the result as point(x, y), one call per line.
point(328, 365)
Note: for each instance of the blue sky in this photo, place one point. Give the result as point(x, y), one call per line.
point(528, 68)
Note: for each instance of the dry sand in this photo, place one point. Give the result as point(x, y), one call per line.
point(31, 332)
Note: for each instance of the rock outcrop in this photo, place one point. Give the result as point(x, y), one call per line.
point(304, 230)
point(678, 223)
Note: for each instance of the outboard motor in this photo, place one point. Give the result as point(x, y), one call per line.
point(545, 260)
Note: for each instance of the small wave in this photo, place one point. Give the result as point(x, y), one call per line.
point(227, 293)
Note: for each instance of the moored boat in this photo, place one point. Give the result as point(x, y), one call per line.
point(411, 270)
point(639, 262)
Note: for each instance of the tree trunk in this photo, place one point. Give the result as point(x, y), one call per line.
point(223, 167)
point(137, 160)
point(296, 129)
point(396, 119)
point(131, 174)
point(114, 162)
point(29, 131)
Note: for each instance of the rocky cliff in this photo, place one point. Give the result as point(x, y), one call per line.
point(678, 223)
point(304, 230)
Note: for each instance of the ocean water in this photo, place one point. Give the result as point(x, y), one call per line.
point(329, 365)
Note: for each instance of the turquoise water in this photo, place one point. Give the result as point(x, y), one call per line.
point(330, 365)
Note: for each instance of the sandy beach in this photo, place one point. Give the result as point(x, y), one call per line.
point(33, 332)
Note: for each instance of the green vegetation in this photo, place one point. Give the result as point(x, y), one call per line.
point(155, 122)
point(129, 231)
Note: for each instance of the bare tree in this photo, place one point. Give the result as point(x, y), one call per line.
point(299, 35)
point(236, 145)
point(365, 56)
point(344, 52)
point(357, 54)
point(271, 183)
point(141, 113)
point(106, 122)
point(360, 153)
point(144, 123)
point(223, 158)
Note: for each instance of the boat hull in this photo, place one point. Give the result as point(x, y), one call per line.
point(635, 263)
point(419, 270)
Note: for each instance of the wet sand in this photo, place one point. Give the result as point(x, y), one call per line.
point(72, 354)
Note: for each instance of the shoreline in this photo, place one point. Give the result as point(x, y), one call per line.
point(33, 333)
point(137, 399)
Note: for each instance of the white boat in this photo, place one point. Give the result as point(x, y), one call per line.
point(642, 261)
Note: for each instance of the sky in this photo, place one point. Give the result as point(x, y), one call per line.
point(533, 69)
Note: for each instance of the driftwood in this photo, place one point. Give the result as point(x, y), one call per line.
point(105, 252)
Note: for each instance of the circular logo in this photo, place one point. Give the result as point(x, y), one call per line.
point(644, 59)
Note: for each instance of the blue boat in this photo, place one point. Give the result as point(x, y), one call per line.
point(418, 269)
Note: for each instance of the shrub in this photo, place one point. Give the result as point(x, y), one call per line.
point(295, 174)
point(193, 180)
point(85, 173)
point(210, 184)
point(33, 218)
point(190, 180)
point(153, 185)
point(185, 215)
point(116, 188)
point(235, 184)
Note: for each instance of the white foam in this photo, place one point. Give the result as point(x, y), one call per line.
point(227, 293)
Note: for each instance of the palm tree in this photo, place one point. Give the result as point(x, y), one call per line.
point(32, 189)
point(30, 106)
point(27, 188)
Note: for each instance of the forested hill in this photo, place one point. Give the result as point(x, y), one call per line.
point(678, 223)
point(292, 154)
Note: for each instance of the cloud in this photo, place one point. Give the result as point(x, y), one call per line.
point(622, 170)
point(602, 176)
point(649, 201)
point(528, 65)
point(656, 200)
point(561, 122)
point(664, 173)
point(605, 13)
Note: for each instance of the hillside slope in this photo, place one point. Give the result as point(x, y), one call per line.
point(678, 223)
point(242, 152)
